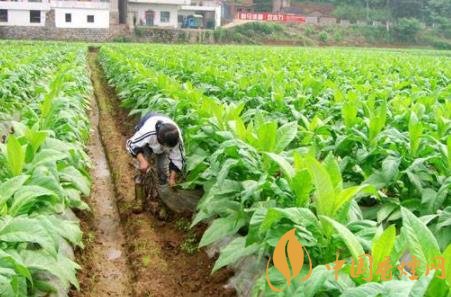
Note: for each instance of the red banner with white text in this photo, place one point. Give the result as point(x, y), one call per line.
point(267, 16)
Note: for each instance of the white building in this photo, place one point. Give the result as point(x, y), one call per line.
point(67, 14)
point(172, 13)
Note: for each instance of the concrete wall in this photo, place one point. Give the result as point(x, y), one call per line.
point(19, 13)
point(79, 18)
point(50, 32)
point(22, 18)
point(165, 35)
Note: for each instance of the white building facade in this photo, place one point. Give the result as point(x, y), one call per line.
point(172, 13)
point(67, 14)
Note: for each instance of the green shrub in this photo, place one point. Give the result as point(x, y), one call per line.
point(309, 30)
point(121, 39)
point(323, 36)
point(139, 31)
point(436, 42)
point(338, 36)
point(444, 26)
point(374, 34)
point(250, 29)
point(406, 30)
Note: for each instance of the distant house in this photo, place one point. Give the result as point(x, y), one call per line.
point(65, 14)
point(173, 13)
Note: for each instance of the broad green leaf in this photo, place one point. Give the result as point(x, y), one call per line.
point(302, 186)
point(23, 229)
point(285, 135)
point(421, 241)
point(317, 280)
point(382, 246)
point(26, 196)
point(415, 133)
point(324, 189)
point(47, 156)
point(447, 257)
point(220, 228)
point(78, 180)
point(347, 194)
point(234, 251)
point(16, 155)
point(333, 169)
point(36, 138)
point(60, 266)
point(353, 244)
point(287, 169)
point(9, 187)
point(6, 288)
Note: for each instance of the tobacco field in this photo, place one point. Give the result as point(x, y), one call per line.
point(350, 147)
point(44, 94)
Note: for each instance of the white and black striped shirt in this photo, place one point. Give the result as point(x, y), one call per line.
point(146, 135)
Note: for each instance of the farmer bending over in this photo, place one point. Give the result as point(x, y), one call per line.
point(157, 134)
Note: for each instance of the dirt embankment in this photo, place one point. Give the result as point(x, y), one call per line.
point(162, 255)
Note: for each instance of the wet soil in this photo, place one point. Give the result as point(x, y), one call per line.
point(105, 271)
point(161, 255)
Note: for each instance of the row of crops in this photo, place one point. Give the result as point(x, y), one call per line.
point(351, 148)
point(44, 92)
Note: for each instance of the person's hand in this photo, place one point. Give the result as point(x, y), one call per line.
point(172, 179)
point(143, 164)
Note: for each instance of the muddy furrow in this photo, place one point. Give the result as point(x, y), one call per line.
point(105, 270)
point(162, 256)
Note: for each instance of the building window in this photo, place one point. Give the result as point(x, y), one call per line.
point(90, 19)
point(3, 16)
point(68, 18)
point(35, 16)
point(164, 16)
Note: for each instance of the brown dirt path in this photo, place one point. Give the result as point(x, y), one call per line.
point(155, 249)
point(105, 271)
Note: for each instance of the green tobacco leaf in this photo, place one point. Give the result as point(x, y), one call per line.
point(6, 287)
point(9, 187)
point(387, 175)
point(69, 230)
point(331, 165)
point(47, 156)
point(324, 189)
point(421, 241)
point(420, 286)
point(36, 138)
point(79, 181)
point(382, 246)
point(448, 150)
point(60, 266)
point(267, 133)
point(285, 135)
point(26, 196)
point(302, 186)
point(317, 280)
point(234, 251)
point(287, 169)
point(220, 228)
point(15, 155)
point(23, 229)
point(353, 244)
point(347, 194)
point(447, 256)
point(415, 133)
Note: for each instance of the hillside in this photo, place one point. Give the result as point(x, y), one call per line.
point(312, 35)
